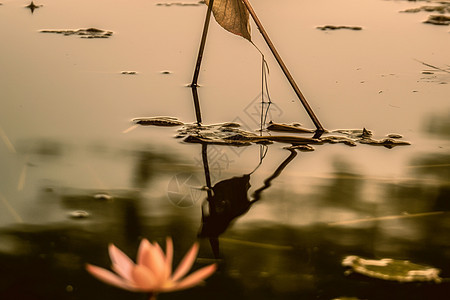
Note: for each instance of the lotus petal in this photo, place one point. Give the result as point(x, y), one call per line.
point(186, 263)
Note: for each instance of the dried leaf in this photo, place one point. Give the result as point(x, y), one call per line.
point(233, 16)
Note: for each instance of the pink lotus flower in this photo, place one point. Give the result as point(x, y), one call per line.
point(153, 271)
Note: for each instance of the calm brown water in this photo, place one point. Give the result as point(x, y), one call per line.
point(65, 105)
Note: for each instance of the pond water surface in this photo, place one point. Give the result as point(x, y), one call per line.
point(75, 177)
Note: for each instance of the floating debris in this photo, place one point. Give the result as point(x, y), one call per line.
point(435, 68)
point(32, 6)
point(181, 3)
point(287, 128)
point(230, 134)
point(355, 133)
point(444, 8)
point(333, 27)
point(301, 148)
point(338, 139)
point(230, 125)
point(391, 269)
point(89, 33)
point(79, 214)
point(211, 141)
point(103, 196)
point(388, 142)
point(294, 140)
point(158, 121)
point(243, 138)
point(394, 136)
point(128, 72)
point(364, 136)
point(438, 20)
point(166, 72)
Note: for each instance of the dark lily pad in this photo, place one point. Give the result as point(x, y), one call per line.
point(392, 269)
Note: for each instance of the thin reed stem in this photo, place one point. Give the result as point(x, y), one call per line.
point(194, 83)
point(286, 72)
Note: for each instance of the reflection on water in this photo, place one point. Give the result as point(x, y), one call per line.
point(73, 178)
point(260, 259)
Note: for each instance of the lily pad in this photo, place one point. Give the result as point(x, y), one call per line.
point(391, 269)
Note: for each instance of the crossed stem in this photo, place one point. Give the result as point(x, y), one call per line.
point(319, 128)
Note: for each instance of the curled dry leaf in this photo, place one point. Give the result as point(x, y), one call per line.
point(233, 16)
